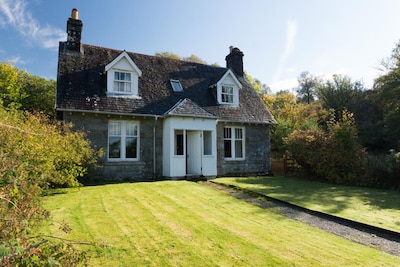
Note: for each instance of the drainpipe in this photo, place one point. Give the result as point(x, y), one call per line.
point(154, 147)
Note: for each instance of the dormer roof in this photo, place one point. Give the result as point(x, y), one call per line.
point(123, 61)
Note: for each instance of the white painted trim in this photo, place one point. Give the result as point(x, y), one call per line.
point(117, 59)
point(229, 79)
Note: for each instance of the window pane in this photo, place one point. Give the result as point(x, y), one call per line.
point(114, 128)
point(114, 147)
point(207, 143)
point(227, 132)
point(238, 133)
point(131, 129)
point(127, 77)
point(227, 89)
point(238, 149)
point(227, 149)
point(131, 147)
point(179, 142)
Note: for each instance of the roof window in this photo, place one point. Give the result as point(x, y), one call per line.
point(176, 85)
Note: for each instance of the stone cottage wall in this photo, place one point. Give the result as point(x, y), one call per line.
point(96, 127)
point(257, 152)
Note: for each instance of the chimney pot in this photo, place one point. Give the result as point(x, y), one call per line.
point(75, 14)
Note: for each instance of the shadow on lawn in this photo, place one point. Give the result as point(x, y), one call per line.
point(334, 198)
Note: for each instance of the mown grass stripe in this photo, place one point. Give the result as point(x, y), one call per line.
point(178, 223)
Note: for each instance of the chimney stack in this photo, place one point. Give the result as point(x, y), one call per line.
point(74, 31)
point(234, 60)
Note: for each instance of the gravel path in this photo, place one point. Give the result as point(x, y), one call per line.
point(386, 243)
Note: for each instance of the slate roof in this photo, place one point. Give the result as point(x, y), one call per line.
point(81, 86)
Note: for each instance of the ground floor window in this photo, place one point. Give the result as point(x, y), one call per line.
point(123, 140)
point(233, 143)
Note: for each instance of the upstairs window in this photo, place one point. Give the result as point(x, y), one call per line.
point(228, 89)
point(234, 143)
point(123, 77)
point(122, 82)
point(227, 94)
point(176, 86)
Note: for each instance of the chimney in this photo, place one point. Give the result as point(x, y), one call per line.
point(74, 31)
point(234, 60)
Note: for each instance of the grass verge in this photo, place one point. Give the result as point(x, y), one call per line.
point(371, 206)
point(179, 223)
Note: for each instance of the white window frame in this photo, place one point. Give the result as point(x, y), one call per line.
point(233, 138)
point(228, 80)
point(127, 84)
point(228, 97)
point(124, 135)
point(123, 64)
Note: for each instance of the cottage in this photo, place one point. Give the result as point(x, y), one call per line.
point(157, 117)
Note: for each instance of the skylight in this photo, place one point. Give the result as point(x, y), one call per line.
point(176, 86)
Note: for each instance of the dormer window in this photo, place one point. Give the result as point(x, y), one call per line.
point(123, 77)
point(228, 89)
point(227, 94)
point(122, 82)
point(176, 86)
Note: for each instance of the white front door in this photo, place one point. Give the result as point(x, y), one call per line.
point(193, 152)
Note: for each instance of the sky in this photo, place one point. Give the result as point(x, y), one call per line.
point(280, 39)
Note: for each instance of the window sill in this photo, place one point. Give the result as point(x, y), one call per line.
point(123, 95)
point(234, 159)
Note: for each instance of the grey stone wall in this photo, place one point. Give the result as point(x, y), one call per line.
point(96, 127)
point(257, 152)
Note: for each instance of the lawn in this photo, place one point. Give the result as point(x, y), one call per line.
point(180, 223)
point(372, 206)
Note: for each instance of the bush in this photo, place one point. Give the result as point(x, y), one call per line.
point(333, 156)
point(35, 154)
point(382, 171)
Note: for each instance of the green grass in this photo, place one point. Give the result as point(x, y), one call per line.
point(179, 223)
point(372, 206)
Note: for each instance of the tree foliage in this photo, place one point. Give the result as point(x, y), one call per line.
point(334, 156)
point(36, 154)
point(339, 94)
point(24, 91)
point(387, 87)
point(260, 87)
point(306, 90)
point(292, 115)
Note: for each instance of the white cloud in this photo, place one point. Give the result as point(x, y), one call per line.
point(14, 13)
point(287, 84)
point(291, 32)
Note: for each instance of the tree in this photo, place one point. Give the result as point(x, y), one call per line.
point(290, 116)
point(40, 93)
point(339, 93)
point(168, 55)
point(195, 59)
point(24, 91)
point(11, 94)
point(387, 87)
point(307, 87)
point(258, 85)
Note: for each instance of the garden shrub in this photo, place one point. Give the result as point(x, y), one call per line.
point(36, 154)
point(333, 156)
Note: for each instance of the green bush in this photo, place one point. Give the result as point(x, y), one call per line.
point(333, 155)
point(35, 154)
point(382, 171)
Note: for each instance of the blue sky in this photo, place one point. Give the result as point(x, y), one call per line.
point(280, 39)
